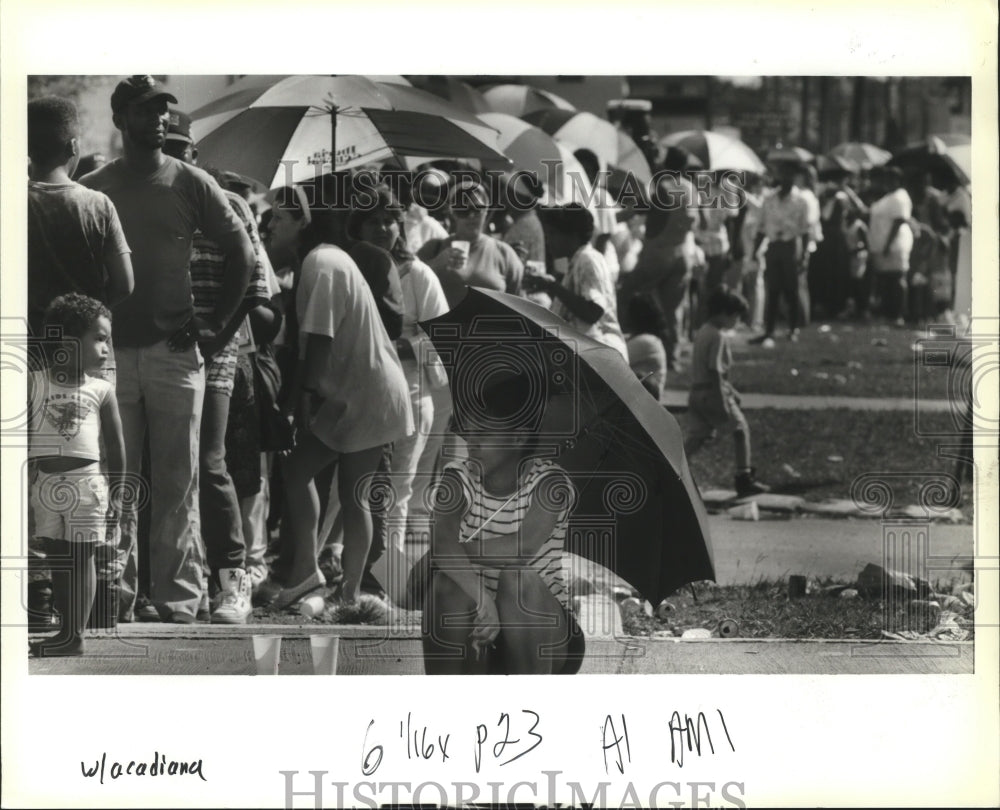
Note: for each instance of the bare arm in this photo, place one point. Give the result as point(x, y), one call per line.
point(897, 223)
point(114, 442)
point(240, 262)
point(121, 280)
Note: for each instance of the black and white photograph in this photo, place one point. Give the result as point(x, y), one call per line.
point(666, 380)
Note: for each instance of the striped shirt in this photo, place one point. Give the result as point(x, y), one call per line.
point(208, 267)
point(489, 516)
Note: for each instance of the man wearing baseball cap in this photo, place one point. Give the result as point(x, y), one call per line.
point(161, 380)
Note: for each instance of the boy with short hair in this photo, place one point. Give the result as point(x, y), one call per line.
point(75, 240)
point(713, 402)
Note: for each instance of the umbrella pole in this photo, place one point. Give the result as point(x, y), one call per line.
point(333, 139)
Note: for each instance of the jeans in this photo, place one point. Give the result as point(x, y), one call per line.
point(161, 391)
point(781, 279)
point(254, 510)
point(221, 522)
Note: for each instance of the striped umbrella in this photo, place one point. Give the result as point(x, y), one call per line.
point(282, 130)
point(716, 152)
point(866, 155)
point(456, 91)
point(520, 99)
point(584, 130)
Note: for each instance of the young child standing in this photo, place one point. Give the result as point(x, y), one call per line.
point(713, 402)
point(71, 410)
point(496, 553)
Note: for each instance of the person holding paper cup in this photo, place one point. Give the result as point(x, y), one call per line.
point(469, 257)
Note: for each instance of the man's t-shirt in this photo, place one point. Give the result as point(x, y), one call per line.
point(72, 232)
point(160, 213)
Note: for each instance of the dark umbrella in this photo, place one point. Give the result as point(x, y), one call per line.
point(638, 511)
point(935, 156)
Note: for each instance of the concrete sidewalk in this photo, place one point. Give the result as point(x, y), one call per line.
point(676, 400)
point(214, 650)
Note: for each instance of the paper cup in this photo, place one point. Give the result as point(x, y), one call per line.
point(325, 650)
point(463, 246)
point(267, 654)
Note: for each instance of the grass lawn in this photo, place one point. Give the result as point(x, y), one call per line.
point(850, 359)
point(866, 441)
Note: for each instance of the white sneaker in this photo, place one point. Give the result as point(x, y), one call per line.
point(233, 602)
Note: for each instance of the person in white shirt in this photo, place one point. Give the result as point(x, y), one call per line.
point(585, 297)
point(890, 241)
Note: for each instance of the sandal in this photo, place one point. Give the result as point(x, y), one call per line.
point(289, 596)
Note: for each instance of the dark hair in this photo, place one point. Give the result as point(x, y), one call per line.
point(645, 316)
point(295, 201)
point(379, 200)
point(573, 219)
point(75, 314)
point(724, 301)
point(52, 123)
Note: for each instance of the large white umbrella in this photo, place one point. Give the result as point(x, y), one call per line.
point(282, 130)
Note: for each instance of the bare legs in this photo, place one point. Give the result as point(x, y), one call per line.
point(306, 461)
point(534, 633)
point(74, 581)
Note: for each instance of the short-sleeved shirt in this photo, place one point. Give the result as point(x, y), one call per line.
point(160, 213)
point(66, 419)
point(72, 232)
point(365, 401)
point(380, 272)
point(208, 271)
point(489, 517)
point(884, 212)
point(492, 265)
point(423, 299)
point(784, 217)
point(711, 357)
point(588, 277)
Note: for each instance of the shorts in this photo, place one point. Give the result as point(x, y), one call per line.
point(72, 505)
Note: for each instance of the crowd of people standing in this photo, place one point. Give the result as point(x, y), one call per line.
point(256, 372)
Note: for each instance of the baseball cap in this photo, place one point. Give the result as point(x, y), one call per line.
point(179, 128)
point(135, 90)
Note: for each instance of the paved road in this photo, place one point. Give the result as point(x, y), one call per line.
point(675, 400)
point(746, 551)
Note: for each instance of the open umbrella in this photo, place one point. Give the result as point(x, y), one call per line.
point(637, 511)
point(520, 99)
point(935, 156)
point(717, 152)
point(456, 91)
point(866, 155)
point(288, 130)
point(584, 130)
point(531, 150)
